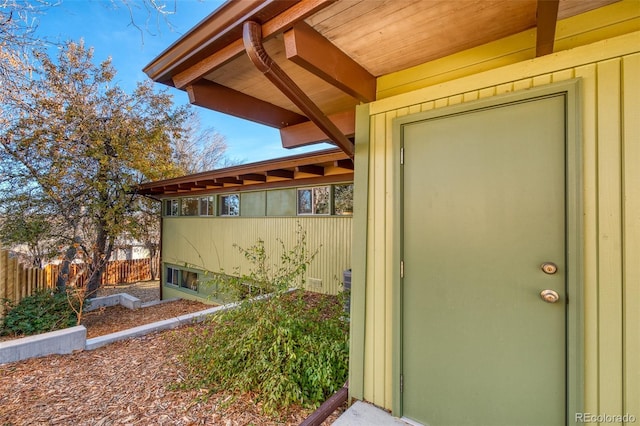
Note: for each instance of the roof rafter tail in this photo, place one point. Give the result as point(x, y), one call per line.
point(252, 35)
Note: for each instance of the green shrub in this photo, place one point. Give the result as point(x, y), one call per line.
point(39, 313)
point(267, 276)
point(284, 349)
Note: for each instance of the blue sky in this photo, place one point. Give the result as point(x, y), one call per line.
point(105, 25)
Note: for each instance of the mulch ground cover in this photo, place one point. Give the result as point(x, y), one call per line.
point(125, 383)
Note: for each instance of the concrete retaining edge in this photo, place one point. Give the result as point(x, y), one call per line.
point(72, 339)
point(63, 341)
point(167, 324)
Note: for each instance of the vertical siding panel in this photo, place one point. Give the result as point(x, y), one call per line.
point(609, 237)
point(375, 256)
point(389, 279)
point(590, 226)
point(631, 206)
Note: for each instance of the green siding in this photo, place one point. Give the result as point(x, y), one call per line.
point(208, 244)
point(610, 134)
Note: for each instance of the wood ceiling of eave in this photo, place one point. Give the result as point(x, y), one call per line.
point(247, 79)
point(570, 8)
point(385, 37)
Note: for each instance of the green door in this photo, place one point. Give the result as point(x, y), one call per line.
point(483, 209)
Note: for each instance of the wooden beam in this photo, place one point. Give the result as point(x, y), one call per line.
point(344, 164)
point(310, 50)
point(214, 96)
point(254, 177)
point(207, 183)
point(252, 35)
point(272, 27)
point(547, 17)
point(286, 174)
point(308, 133)
point(229, 179)
point(311, 169)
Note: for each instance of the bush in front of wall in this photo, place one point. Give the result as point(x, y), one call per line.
point(39, 313)
point(291, 349)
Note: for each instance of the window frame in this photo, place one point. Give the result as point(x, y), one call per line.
point(313, 208)
point(227, 213)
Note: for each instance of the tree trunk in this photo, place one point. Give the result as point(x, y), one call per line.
point(63, 274)
point(101, 254)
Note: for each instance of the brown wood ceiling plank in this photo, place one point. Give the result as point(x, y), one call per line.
point(547, 16)
point(310, 50)
point(276, 25)
point(228, 101)
point(308, 133)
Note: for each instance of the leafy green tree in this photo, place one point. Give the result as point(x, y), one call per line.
point(78, 145)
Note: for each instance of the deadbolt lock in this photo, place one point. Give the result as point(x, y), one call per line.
point(549, 268)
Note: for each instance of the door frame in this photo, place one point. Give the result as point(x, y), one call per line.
point(574, 232)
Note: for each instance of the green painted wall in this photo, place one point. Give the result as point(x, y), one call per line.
point(207, 243)
point(610, 106)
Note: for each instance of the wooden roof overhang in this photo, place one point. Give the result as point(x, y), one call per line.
point(330, 53)
point(329, 166)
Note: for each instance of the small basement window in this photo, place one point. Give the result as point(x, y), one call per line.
point(189, 280)
point(173, 276)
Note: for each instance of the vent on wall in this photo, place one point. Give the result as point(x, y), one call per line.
point(315, 282)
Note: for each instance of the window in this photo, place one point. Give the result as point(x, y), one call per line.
point(207, 206)
point(182, 278)
point(343, 199)
point(171, 207)
point(313, 200)
point(189, 207)
point(173, 276)
point(189, 280)
point(230, 205)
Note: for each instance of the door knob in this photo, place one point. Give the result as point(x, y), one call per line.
point(549, 296)
point(549, 268)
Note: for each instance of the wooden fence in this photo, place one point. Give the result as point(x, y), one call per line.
point(116, 272)
point(18, 281)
